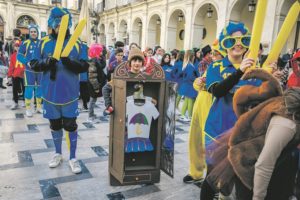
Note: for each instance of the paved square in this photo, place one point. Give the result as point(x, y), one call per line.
point(26, 147)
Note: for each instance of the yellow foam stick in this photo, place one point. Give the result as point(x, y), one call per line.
point(74, 38)
point(283, 35)
point(61, 36)
point(259, 19)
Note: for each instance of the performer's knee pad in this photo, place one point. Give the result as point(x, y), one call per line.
point(70, 124)
point(56, 124)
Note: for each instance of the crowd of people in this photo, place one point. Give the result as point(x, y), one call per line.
point(209, 82)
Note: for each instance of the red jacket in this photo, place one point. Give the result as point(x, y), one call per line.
point(294, 79)
point(149, 65)
point(16, 69)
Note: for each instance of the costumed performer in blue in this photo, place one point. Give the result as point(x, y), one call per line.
point(222, 80)
point(32, 79)
point(60, 86)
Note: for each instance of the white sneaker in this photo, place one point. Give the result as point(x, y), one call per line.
point(75, 166)
point(177, 112)
point(83, 110)
point(184, 118)
point(22, 104)
point(93, 120)
point(39, 110)
point(28, 113)
point(56, 160)
point(14, 106)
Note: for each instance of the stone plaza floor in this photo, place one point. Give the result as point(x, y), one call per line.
point(26, 147)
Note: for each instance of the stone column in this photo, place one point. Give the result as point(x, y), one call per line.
point(164, 27)
point(223, 16)
point(271, 26)
point(11, 21)
point(188, 26)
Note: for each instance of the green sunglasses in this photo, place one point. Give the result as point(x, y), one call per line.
point(229, 42)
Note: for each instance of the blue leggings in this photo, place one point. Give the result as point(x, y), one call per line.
point(29, 92)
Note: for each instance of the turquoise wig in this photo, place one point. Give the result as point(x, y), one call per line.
point(56, 15)
point(231, 28)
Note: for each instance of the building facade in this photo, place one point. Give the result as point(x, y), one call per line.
point(186, 24)
point(21, 13)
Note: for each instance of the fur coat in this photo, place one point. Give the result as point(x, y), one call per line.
point(237, 150)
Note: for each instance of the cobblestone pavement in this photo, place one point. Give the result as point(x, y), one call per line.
point(26, 147)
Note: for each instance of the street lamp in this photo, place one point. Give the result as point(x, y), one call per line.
point(180, 17)
point(140, 24)
point(94, 30)
point(251, 6)
point(158, 21)
point(209, 12)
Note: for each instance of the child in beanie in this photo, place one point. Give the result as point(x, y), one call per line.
point(135, 63)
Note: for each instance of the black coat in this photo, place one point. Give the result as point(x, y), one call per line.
point(97, 77)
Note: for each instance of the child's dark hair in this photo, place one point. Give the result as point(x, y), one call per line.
point(118, 50)
point(119, 44)
point(180, 56)
point(163, 63)
point(135, 58)
point(174, 53)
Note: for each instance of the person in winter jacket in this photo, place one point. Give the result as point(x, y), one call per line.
point(223, 80)
point(119, 54)
point(177, 74)
point(97, 78)
point(16, 71)
point(167, 67)
point(206, 60)
point(294, 79)
point(149, 61)
point(4, 64)
point(189, 74)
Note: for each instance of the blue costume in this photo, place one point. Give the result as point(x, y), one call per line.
point(221, 116)
point(32, 79)
point(168, 72)
point(60, 82)
point(189, 74)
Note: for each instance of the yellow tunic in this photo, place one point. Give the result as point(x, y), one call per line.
point(196, 133)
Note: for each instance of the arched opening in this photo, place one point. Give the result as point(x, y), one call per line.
point(137, 28)
point(154, 31)
point(123, 32)
point(111, 38)
point(205, 26)
point(102, 34)
point(22, 24)
point(240, 13)
point(175, 31)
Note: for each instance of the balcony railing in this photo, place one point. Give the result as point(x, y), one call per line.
point(112, 4)
point(26, 1)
